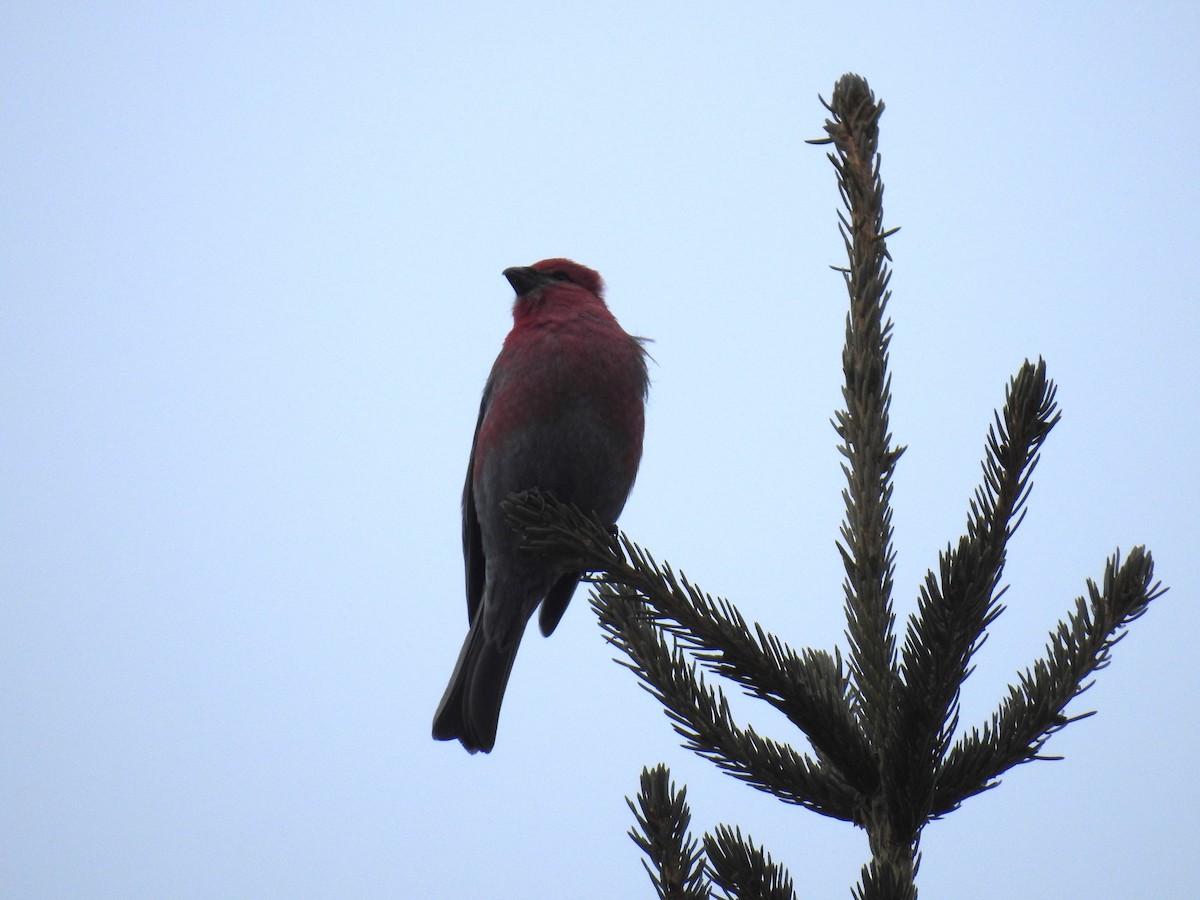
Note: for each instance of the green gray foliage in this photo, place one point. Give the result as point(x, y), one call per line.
point(880, 721)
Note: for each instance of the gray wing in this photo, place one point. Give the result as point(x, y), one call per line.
point(556, 602)
point(473, 560)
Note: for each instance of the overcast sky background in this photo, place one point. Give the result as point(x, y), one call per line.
point(249, 293)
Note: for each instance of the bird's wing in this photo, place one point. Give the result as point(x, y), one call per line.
point(473, 560)
point(556, 602)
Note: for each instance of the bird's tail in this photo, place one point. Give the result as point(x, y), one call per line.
point(470, 708)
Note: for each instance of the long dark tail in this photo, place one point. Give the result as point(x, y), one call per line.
point(470, 708)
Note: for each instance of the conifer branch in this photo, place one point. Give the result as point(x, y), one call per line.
point(1034, 708)
point(866, 545)
point(810, 688)
point(701, 714)
point(744, 871)
point(957, 604)
point(881, 881)
point(675, 865)
point(866, 443)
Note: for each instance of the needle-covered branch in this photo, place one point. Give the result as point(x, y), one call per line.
point(958, 603)
point(1034, 708)
point(866, 544)
point(674, 862)
point(882, 881)
point(810, 688)
point(702, 717)
point(745, 871)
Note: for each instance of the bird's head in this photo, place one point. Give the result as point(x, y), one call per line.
point(527, 280)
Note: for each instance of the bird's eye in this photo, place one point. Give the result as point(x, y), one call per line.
point(559, 276)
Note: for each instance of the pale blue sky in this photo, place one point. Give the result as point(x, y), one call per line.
point(249, 292)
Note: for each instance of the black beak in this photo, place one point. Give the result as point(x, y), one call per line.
point(525, 279)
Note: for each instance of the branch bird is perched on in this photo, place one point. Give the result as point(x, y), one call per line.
point(563, 412)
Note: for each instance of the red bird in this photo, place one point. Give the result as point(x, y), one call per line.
point(563, 412)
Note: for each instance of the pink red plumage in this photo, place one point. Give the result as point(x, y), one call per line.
point(562, 413)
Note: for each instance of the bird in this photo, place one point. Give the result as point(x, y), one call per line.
point(563, 413)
